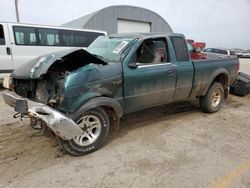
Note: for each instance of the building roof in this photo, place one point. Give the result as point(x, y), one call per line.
point(98, 19)
point(80, 21)
point(144, 35)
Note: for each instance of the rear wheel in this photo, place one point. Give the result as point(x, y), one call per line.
point(211, 102)
point(95, 124)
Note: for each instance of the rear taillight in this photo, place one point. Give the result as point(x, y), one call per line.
point(238, 67)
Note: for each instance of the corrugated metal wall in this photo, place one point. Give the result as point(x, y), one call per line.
point(106, 19)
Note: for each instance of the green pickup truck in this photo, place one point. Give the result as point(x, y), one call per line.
point(79, 94)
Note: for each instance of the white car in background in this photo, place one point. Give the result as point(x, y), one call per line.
point(220, 51)
point(245, 55)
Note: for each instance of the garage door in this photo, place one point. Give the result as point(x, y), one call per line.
point(126, 26)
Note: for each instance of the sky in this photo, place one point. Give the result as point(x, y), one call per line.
point(219, 23)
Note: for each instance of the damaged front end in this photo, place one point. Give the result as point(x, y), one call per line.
point(60, 124)
point(43, 79)
point(37, 89)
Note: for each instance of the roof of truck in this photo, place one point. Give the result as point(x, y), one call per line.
point(144, 35)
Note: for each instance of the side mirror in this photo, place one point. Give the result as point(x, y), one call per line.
point(133, 65)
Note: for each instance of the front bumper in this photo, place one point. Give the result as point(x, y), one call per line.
point(60, 124)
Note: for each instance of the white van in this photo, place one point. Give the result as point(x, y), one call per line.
point(20, 43)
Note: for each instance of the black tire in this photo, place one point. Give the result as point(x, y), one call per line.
point(73, 146)
point(211, 102)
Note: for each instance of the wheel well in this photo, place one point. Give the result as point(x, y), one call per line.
point(111, 107)
point(113, 116)
point(223, 79)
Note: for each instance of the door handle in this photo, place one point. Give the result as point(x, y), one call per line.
point(170, 72)
point(117, 82)
point(8, 50)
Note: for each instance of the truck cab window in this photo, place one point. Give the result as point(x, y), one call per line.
point(2, 40)
point(152, 51)
point(180, 48)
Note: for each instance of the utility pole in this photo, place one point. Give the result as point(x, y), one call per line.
point(17, 12)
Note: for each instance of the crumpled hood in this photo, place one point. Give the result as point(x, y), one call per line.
point(39, 66)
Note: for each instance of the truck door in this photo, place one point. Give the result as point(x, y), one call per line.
point(149, 76)
point(185, 68)
point(6, 64)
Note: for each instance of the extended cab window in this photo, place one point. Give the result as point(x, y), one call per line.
point(2, 41)
point(25, 35)
point(152, 51)
point(180, 47)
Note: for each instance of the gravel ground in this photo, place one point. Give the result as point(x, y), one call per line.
point(171, 146)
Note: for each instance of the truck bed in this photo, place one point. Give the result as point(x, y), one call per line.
point(206, 70)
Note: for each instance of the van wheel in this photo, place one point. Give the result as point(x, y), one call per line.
point(211, 102)
point(95, 124)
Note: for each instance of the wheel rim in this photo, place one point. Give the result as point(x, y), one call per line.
point(216, 98)
point(91, 126)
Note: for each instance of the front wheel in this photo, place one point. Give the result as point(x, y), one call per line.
point(211, 102)
point(95, 124)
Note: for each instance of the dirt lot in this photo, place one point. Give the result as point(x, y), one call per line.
point(171, 146)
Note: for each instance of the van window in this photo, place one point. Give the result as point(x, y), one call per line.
point(84, 38)
point(53, 37)
point(25, 35)
point(77, 38)
point(2, 40)
point(180, 48)
point(48, 37)
point(66, 37)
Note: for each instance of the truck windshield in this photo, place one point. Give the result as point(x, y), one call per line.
point(109, 49)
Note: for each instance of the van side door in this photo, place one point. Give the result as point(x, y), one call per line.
point(6, 64)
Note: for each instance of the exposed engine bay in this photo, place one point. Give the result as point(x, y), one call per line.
point(48, 90)
point(47, 84)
